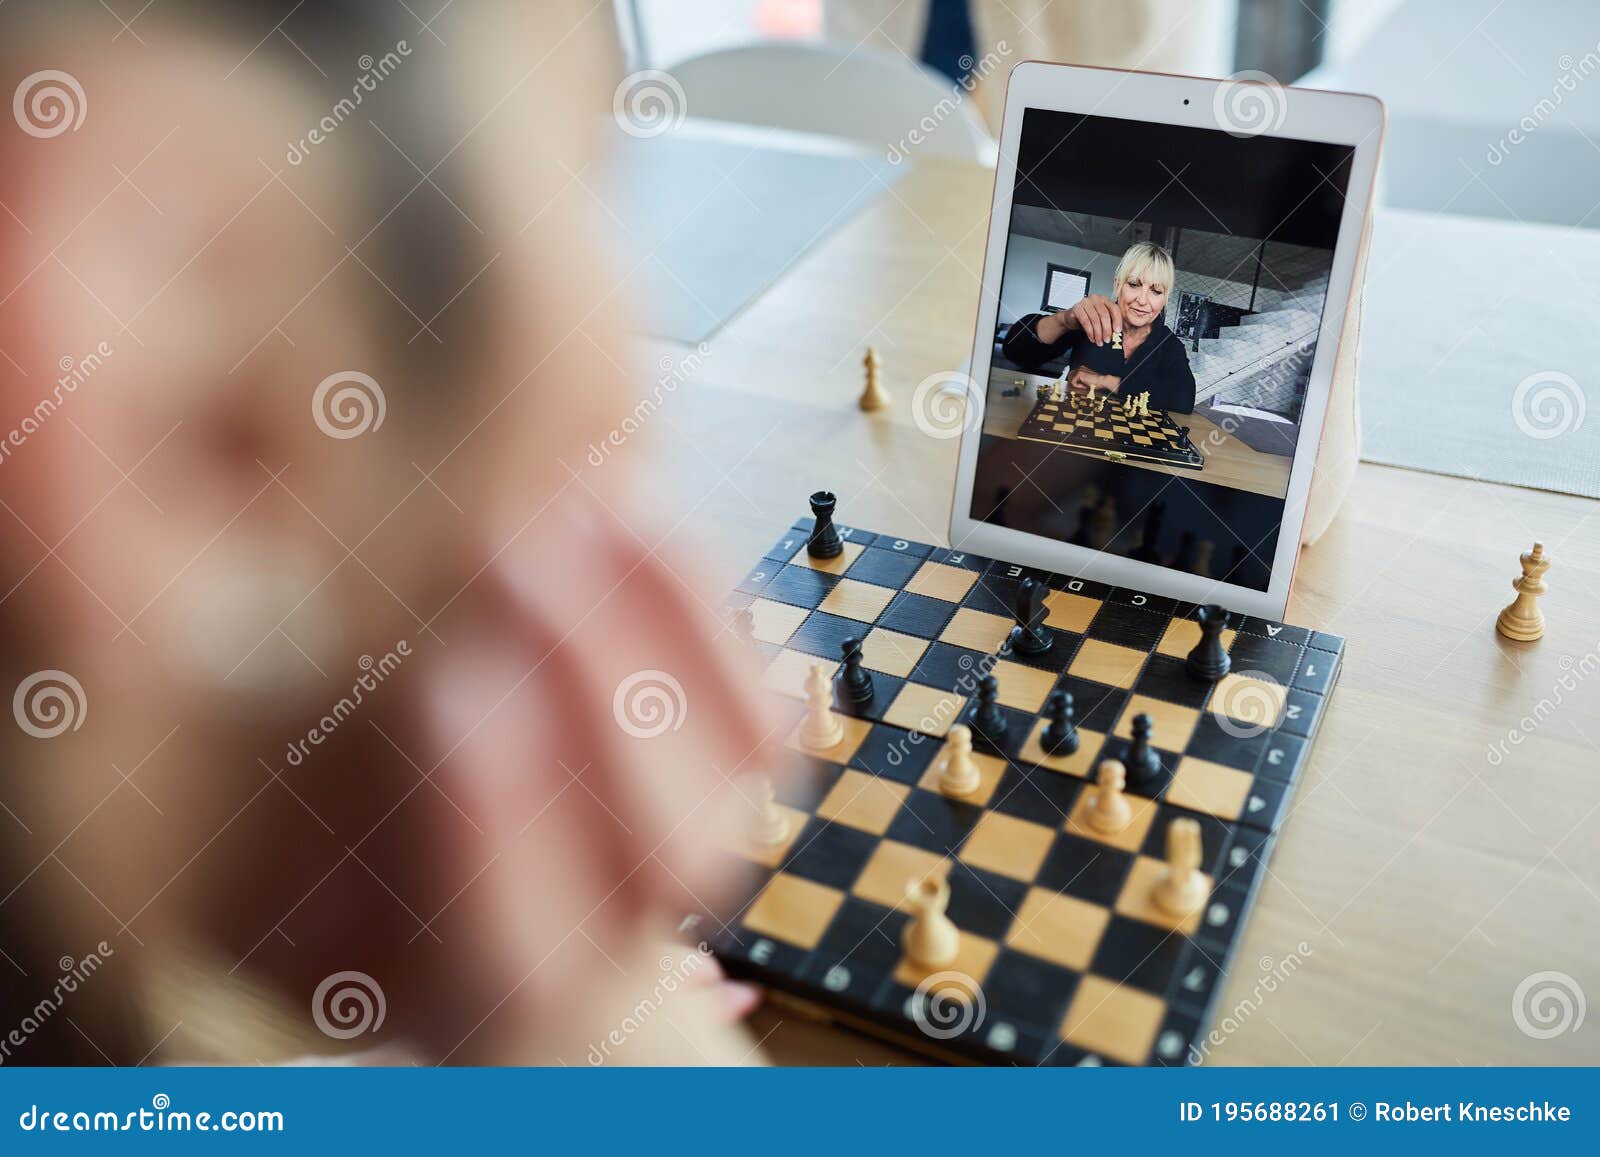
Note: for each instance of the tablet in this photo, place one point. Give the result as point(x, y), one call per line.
point(1168, 266)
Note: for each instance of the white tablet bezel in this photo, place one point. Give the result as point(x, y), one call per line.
point(1308, 115)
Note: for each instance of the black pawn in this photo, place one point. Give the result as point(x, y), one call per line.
point(1030, 636)
point(1061, 734)
point(1237, 567)
point(1142, 762)
point(1150, 534)
point(855, 679)
point(1184, 559)
point(987, 719)
point(998, 514)
point(824, 541)
point(1208, 661)
point(1080, 537)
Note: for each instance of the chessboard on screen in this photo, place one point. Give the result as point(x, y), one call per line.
point(1030, 812)
point(1115, 428)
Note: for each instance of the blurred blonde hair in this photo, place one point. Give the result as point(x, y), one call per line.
point(1145, 260)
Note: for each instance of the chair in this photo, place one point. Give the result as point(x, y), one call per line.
point(863, 94)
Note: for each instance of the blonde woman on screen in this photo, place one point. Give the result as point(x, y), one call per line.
point(1119, 344)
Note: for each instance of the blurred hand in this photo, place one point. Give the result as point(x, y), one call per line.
point(599, 741)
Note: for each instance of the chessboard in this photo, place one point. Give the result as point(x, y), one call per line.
point(1111, 430)
point(1064, 957)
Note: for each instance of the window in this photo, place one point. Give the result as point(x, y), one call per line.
point(1064, 286)
point(659, 33)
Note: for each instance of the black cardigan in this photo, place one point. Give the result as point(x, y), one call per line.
point(1160, 364)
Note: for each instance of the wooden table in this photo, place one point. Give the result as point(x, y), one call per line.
point(1422, 875)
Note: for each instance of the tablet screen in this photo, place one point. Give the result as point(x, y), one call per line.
point(1160, 305)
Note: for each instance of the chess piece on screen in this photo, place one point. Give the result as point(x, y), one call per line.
point(821, 729)
point(1181, 890)
point(1087, 505)
point(1184, 558)
point(931, 939)
point(1150, 533)
point(958, 775)
point(1237, 565)
point(874, 396)
point(1108, 809)
point(1103, 528)
point(1522, 619)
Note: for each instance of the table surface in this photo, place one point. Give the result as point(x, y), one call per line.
point(1428, 865)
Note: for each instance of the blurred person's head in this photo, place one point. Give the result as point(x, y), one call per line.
point(289, 324)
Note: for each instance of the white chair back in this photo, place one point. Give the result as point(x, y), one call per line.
point(861, 94)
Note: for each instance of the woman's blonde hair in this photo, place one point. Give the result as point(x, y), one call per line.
point(1145, 260)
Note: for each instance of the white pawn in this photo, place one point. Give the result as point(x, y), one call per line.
point(931, 939)
point(874, 397)
point(771, 826)
point(959, 773)
point(1108, 809)
point(821, 729)
point(1182, 889)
